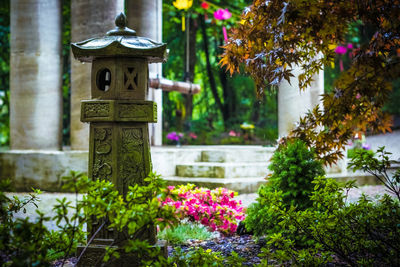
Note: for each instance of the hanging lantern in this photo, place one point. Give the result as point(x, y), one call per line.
point(183, 4)
point(223, 14)
point(341, 50)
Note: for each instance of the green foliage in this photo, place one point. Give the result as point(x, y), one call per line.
point(4, 72)
point(365, 233)
point(185, 231)
point(275, 36)
point(134, 214)
point(351, 153)
point(4, 117)
point(201, 257)
point(66, 84)
point(26, 243)
point(224, 102)
point(293, 169)
point(232, 140)
point(378, 166)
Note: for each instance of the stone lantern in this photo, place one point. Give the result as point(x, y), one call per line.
point(118, 114)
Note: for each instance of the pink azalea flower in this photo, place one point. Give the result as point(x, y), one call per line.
point(193, 135)
point(215, 209)
point(222, 14)
point(350, 46)
point(204, 221)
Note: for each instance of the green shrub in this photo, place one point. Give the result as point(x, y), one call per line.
point(24, 243)
point(293, 169)
point(184, 232)
point(352, 152)
point(365, 233)
point(201, 257)
point(232, 140)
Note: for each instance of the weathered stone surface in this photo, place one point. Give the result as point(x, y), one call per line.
point(89, 18)
point(222, 170)
point(293, 103)
point(95, 252)
point(124, 79)
point(119, 149)
point(120, 43)
point(360, 178)
point(241, 154)
point(145, 16)
point(35, 75)
point(391, 142)
point(40, 169)
point(118, 110)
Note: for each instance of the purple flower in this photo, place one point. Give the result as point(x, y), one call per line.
point(173, 136)
point(366, 146)
point(340, 50)
point(222, 14)
point(349, 46)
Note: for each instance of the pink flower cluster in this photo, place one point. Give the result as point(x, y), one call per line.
point(215, 209)
point(174, 136)
point(233, 133)
point(340, 50)
point(222, 14)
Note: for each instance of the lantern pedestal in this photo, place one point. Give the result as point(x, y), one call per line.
point(93, 255)
point(119, 149)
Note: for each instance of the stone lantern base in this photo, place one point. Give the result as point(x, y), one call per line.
point(95, 252)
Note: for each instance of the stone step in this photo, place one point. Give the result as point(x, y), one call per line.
point(247, 185)
point(222, 170)
point(244, 185)
point(241, 154)
point(361, 178)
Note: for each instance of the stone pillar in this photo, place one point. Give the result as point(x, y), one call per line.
point(293, 103)
point(35, 75)
point(145, 16)
point(89, 18)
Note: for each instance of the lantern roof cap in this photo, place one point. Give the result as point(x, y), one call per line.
point(120, 42)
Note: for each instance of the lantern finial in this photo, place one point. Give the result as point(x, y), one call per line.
point(121, 29)
point(120, 20)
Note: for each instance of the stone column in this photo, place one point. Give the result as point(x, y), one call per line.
point(293, 103)
point(145, 16)
point(35, 75)
point(89, 18)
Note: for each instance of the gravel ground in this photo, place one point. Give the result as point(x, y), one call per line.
point(243, 245)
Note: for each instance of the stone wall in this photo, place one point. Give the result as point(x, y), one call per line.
point(44, 169)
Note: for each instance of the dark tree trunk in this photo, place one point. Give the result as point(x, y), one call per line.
point(229, 94)
point(189, 76)
point(210, 73)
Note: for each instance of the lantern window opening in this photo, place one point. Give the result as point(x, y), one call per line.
point(103, 79)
